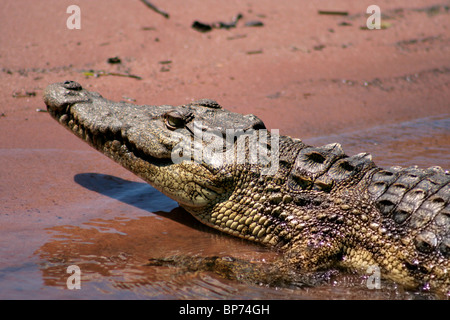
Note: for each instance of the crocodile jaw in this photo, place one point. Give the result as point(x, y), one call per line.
point(189, 183)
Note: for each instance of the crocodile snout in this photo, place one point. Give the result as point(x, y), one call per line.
point(58, 95)
point(72, 85)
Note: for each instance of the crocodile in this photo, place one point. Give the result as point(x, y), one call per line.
point(319, 207)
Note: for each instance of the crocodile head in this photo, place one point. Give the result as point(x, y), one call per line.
point(157, 143)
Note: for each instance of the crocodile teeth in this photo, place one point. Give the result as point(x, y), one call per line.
point(63, 119)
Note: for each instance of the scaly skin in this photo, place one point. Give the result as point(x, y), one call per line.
point(322, 208)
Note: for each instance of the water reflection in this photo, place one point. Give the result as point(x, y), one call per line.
point(424, 142)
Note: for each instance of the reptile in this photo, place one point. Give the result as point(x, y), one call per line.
point(321, 208)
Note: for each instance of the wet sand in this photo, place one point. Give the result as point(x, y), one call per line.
point(318, 77)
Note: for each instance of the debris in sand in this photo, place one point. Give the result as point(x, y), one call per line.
point(155, 8)
point(206, 27)
point(335, 13)
point(23, 94)
point(99, 73)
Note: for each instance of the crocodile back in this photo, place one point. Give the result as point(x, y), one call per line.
point(418, 200)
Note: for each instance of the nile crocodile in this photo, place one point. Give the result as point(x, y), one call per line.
point(321, 208)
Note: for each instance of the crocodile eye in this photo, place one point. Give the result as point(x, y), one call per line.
point(174, 120)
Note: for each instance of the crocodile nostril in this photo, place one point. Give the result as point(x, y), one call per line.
point(259, 125)
point(72, 85)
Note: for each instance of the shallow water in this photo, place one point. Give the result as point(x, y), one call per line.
point(115, 225)
point(423, 142)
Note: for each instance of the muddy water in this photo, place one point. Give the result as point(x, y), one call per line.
point(110, 226)
point(423, 142)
